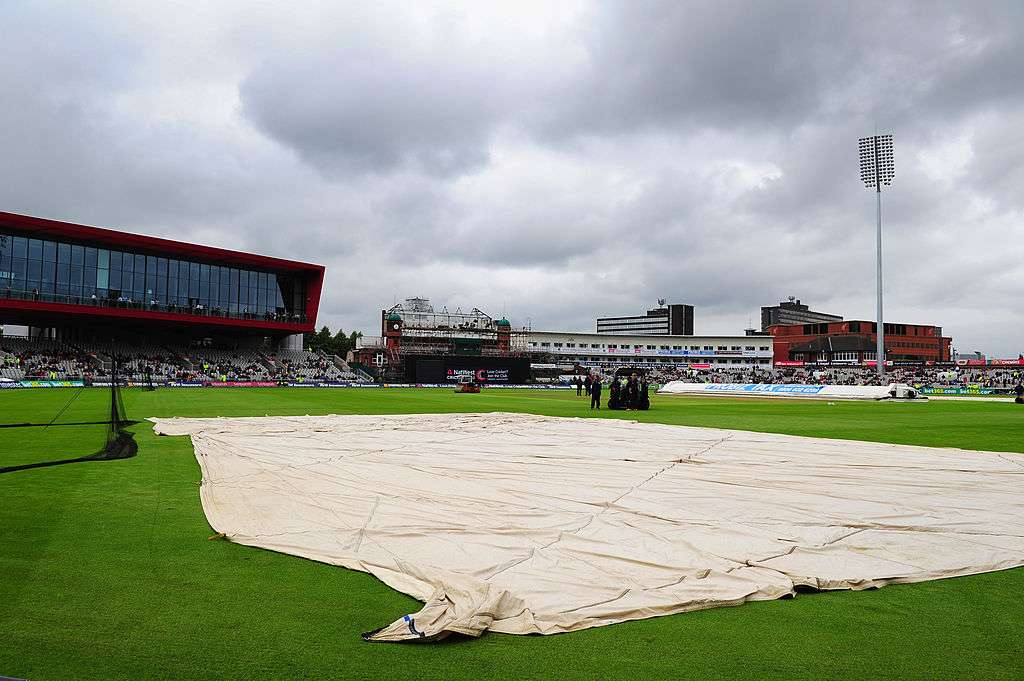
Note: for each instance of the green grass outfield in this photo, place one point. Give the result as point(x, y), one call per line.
point(106, 571)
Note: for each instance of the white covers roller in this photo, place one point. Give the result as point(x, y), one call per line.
point(798, 390)
point(529, 524)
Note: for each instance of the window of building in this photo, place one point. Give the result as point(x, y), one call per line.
point(66, 272)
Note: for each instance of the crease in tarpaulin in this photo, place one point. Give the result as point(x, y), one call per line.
point(530, 524)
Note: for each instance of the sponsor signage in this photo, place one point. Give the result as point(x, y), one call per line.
point(789, 364)
point(51, 384)
point(969, 390)
point(244, 384)
point(545, 386)
point(793, 389)
point(659, 352)
point(499, 375)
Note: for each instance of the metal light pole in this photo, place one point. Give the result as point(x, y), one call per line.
point(876, 169)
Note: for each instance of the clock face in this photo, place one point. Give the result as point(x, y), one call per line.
point(395, 327)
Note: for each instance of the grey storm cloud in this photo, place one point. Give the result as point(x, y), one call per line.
point(549, 161)
point(374, 111)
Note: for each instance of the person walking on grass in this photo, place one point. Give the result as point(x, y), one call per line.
point(595, 393)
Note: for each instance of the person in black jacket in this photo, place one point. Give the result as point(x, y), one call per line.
point(1019, 392)
point(632, 393)
point(615, 391)
point(595, 393)
point(645, 394)
point(579, 386)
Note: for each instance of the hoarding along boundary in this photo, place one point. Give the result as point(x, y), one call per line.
point(262, 384)
point(965, 391)
point(717, 387)
point(41, 384)
point(323, 384)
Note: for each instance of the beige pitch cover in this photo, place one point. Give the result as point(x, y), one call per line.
point(529, 524)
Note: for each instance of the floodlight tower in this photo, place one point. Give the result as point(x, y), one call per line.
point(876, 169)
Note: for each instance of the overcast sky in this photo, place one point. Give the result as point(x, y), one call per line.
point(549, 161)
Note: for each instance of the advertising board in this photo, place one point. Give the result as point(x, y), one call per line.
point(51, 384)
point(243, 384)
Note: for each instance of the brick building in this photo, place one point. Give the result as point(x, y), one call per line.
point(853, 342)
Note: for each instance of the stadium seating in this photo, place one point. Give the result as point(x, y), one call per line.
point(926, 376)
point(21, 358)
point(44, 359)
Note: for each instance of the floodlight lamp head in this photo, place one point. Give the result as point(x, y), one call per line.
point(876, 161)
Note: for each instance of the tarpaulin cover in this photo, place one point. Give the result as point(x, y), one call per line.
point(529, 524)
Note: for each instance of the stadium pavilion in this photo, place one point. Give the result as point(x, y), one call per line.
point(653, 351)
point(423, 345)
point(75, 283)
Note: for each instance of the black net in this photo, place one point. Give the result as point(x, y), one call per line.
point(120, 444)
point(47, 427)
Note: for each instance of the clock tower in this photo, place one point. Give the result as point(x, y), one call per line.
point(504, 335)
point(392, 331)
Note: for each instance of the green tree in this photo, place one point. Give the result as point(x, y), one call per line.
point(339, 344)
point(319, 340)
point(333, 344)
